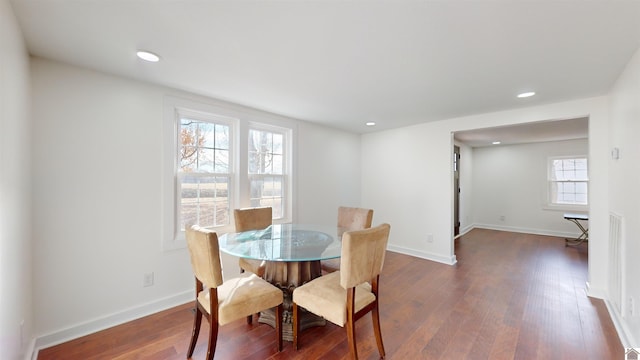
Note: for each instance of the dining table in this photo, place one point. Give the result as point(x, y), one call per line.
point(292, 255)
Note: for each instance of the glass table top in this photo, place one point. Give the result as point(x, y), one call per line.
point(284, 242)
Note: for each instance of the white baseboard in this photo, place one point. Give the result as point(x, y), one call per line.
point(625, 336)
point(91, 326)
point(545, 232)
point(423, 255)
point(452, 260)
point(464, 231)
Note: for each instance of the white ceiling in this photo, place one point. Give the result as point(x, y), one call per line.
point(542, 131)
point(341, 63)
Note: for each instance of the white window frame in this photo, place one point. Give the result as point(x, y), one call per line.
point(550, 204)
point(242, 120)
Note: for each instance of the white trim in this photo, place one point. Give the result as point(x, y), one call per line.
point(107, 321)
point(464, 231)
point(625, 336)
point(423, 255)
point(545, 232)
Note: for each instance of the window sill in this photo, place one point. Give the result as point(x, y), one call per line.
point(567, 207)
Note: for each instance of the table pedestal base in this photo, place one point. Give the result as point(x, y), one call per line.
point(307, 320)
point(287, 276)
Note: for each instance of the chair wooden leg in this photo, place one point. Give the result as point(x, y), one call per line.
point(213, 337)
point(350, 326)
point(279, 310)
point(376, 330)
point(351, 337)
point(295, 326)
point(197, 321)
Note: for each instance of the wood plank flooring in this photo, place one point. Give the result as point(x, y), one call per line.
point(510, 296)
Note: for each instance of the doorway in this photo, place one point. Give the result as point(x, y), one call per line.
point(456, 190)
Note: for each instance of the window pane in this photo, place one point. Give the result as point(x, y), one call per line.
point(581, 187)
point(569, 169)
point(581, 164)
point(581, 174)
point(268, 191)
point(204, 200)
point(581, 199)
point(277, 166)
point(205, 160)
point(222, 136)
point(206, 131)
point(266, 152)
point(222, 161)
point(204, 149)
point(188, 158)
point(277, 143)
point(204, 146)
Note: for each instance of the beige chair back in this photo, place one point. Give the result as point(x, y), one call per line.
point(205, 255)
point(350, 218)
point(363, 255)
point(252, 218)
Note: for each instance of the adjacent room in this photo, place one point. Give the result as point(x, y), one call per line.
point(480, 134)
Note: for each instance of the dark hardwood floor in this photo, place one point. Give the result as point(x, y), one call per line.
point(510, 296)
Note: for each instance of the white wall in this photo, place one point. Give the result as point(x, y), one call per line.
point(625, 177)
point(407, 178)
point(511, 181)
point(98, 187)
point(15, 191)
point(328, 173)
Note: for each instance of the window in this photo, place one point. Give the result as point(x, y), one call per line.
point(267, 165)
point(568, 181)
point(204, 171)
point(216, 159)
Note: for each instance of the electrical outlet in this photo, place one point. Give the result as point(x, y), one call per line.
point(632, 309)
point(502, 217)
point(147, 280)
point(430, 238)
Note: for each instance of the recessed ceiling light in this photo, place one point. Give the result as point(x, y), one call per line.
point(526, 94)
point(370, 123)
point(496, 143)
point(148, 56)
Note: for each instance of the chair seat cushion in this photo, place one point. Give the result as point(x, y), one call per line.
point(325, 297)
point(242, 296)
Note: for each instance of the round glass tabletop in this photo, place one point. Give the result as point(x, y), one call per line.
point(284, 242)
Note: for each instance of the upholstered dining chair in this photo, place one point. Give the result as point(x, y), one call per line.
point(222, 302)
point(349, 218)
point(252, 219)
point(345, 296)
